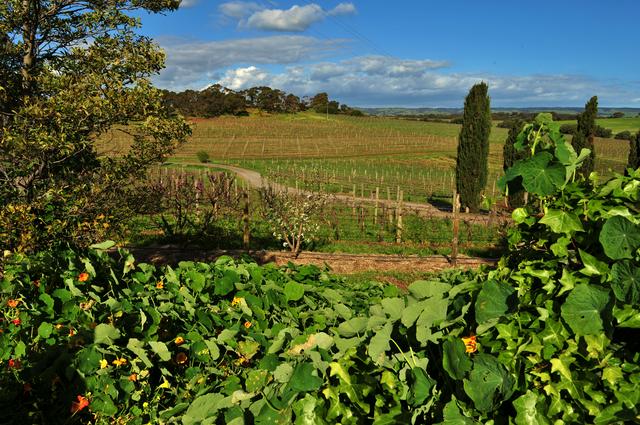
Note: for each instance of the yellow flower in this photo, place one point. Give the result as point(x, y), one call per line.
point(104, 364)
point(247, 325)
point(236, 301)
point(165, 384)
point(13, 303)
point(160, 285)
point(179, 340)
point(119, 362)
point(470, 344)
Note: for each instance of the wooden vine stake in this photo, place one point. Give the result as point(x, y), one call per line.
point(399, 217)
point(245, 221)
point(456, 228)
point(375, 209)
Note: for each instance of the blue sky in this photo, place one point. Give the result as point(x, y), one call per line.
point(408, 53)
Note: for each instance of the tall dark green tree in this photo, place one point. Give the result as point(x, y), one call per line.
point(634, 152)
point(473, 147)
point(585, 134)
point(510, 156)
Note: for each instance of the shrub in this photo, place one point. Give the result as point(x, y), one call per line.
point(602, 132)
point(203, 156)
point(624, 135)
point(568, 128)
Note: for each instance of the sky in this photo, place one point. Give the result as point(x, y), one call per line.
point(407, 53)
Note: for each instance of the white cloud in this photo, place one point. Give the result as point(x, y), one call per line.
point(188, 3)
point(197, 63)
point(297, 18)
point(343, 9)
point(240, 78)
point(361, 81)
point(239, 9)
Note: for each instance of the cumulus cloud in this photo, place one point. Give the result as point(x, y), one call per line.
point(295, 19)
point(363, 81)
point(239, 9)
point(194, 63)
point(343, 9)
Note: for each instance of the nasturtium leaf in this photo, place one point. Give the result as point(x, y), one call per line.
point(283, 373)
point(197, 280)
point(529, 411)
point(303, 378)
point(620, 238)
point(353, 326)
point(305, 410)
point(519, 215)
point(492, 302)
point(540, 178)
point(248, 348)
point(103, 245)
point(625, 281)
point(256, 380)
point(137, 347)
point(420, 387)
point(204, 407)
point(226, 283)
point(584, 307)
point(489, 383)
point(160, 348)
point(428, 288)
point(88, 360)
point(562, 221)
point(452, 415)
point(293, 291)
point(455, 359)
point(393, 307)
point(105, 334)
point(44, 330)
point(379, 344)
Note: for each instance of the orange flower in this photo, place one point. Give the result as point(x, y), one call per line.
point(77, 406)
point(83, 277)
point(160, 285)
point(133, 377)
point(14, 364)
point(179, 340)
point(247, 325)
point(13, 303)
point(72, 332)
point(470, 344)
point(181, 358)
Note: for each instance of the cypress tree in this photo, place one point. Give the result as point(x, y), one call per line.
point(510, 156)
point(473, 147)
point(584, 136)
point(634, 152)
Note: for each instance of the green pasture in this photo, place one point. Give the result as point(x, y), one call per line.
point(616, 125)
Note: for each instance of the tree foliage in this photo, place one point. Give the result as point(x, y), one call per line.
point(510, 156)
point(634, 152)
point(473, 147)
point(585, 133)
point(72, 71)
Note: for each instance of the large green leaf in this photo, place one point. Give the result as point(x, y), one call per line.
point(528, 411)
point(420, 387)
point(489, 383)
point(562, 221)
point(539, 177)
point(293, 291)
point(625, 281)
point(393, 307)
point(452, 415)
point(204, 407)
point(455, 360)
point(105, 334)
point(379, 344)
point(304, 379)
point(161, 349)
point(583, 309)
point(620, 238)
point(353, 326)
point(492, 302)
point(428, 288)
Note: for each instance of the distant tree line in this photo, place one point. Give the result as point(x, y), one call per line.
point(217, 100)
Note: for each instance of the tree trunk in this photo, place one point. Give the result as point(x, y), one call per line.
point(29, 32)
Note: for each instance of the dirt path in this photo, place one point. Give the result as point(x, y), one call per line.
point(255, 179)
point(339, 263)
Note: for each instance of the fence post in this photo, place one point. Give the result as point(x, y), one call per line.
point(456, 228)
point(375, 209)
point(245, 221)
point(399, 218)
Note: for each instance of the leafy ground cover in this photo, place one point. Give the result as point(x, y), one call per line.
point(548, 336)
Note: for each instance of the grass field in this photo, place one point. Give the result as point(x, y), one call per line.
point(616, 125)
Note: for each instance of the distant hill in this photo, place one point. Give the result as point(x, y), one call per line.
point(391, 111)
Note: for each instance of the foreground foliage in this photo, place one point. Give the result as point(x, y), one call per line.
point(549, 336)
